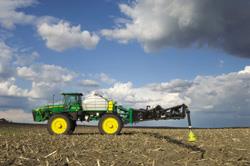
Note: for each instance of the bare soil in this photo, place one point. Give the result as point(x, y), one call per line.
point(32, 145)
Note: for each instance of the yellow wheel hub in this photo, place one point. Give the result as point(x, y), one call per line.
point(110, 125)
point(59, 125)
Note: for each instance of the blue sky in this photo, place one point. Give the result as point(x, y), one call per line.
point(125, 62)
point(127, 54)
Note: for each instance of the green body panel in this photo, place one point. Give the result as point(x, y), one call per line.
point(43, 113)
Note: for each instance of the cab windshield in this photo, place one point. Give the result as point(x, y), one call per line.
point(70, 99)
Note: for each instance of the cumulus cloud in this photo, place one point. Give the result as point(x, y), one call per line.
point(245, 71)
point(44, 90)
point(58, 34)
point(226, 93)
point(106, 79)
point(26, 59)
point(157, 24)
point(177, 85)
point(10, 15)
point(46, 79)
point(140, 97)
point(17, 115)
point(12, 96)
point(42, 80)
point(223, 93)
point(6, 56)
point(61, 36)
point(46, 73)
point(6, 52)
point(96, 80)
point(8, 88)
point(89, 83)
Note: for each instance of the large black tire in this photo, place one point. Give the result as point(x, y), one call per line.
point(110, 124)
point(72, 126)
point(59, 124)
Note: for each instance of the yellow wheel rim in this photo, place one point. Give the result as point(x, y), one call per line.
point(59, 125)
point(110, 125)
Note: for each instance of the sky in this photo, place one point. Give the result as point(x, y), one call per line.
point(136, 52)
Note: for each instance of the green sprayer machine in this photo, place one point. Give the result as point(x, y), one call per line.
point(112, 117)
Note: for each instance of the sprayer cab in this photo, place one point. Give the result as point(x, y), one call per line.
point(72, 98)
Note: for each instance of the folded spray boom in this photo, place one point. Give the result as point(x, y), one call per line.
point(160, 113)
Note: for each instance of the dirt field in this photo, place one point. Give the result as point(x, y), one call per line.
point(32, 145)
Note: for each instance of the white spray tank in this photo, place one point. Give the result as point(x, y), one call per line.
point(94, 102)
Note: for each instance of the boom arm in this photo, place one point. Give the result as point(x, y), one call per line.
point(158, 113)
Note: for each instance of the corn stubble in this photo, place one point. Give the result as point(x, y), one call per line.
point(32, 145)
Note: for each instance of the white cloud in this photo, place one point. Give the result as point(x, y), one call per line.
point(106, 79)
point(176, 85)
point(223, 93)
point(226, 93)
point(140, 97)
point(46, 73)
point(96, 80)
point(16, 115)
point(43, 90)
point(9, 88)
point(26, 72)
point(178, 23)
point(6, 56)
point(46, 79)
point(245, 71)
point(26, 59)
point(6, 52)
point(9, 14)
point(58, 34)
point(152, 22)
point(61, 36)
point(89, 83)
point(11, 95)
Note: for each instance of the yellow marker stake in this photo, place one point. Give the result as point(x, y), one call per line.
point(191, 136)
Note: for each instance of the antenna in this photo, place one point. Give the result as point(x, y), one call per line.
point(53, 99)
